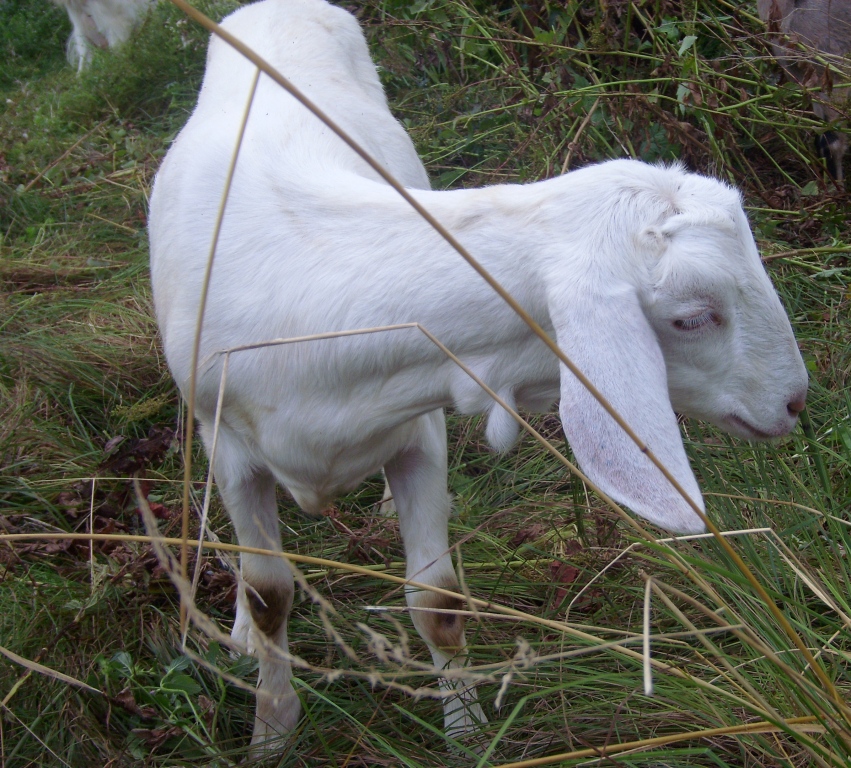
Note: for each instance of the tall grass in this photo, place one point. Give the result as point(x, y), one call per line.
point(491, 92)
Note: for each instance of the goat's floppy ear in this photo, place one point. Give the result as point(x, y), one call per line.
point(607, 336)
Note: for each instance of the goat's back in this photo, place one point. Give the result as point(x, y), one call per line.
point(322, 51)
point(289, 161)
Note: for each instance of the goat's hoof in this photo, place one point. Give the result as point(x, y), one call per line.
point(468, 732)
point(461, 723)
point(267, 740)
point(276, 719)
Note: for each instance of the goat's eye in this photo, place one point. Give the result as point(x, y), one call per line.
point(697, 321)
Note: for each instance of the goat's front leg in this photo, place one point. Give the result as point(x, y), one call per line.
point(417, 478)
point(264, 599)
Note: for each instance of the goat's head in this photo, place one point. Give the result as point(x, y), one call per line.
point(730, 354)
point(690, 324)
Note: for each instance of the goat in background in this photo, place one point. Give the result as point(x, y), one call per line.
point(648, 277)
point(814, 31)
point(100, 23)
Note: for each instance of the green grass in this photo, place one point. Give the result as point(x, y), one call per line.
point(491, 92)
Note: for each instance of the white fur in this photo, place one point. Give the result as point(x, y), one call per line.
point(100, 23)
point(606, 258)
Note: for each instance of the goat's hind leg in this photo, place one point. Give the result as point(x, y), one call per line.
point(417, 477)
point(265, 593)
point(387, 507)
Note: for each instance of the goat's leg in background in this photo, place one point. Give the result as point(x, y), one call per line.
point(387, 506)
point(84, 34)
point(265, 593)
point(417, 476)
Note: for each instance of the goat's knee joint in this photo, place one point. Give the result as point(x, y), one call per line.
point(270, 605)
point(440, 625)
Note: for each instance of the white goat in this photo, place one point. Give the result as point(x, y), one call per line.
point(648, 278)
point(815, 30)
point(100, 23)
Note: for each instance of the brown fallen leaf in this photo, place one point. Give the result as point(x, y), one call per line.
point(127, 701)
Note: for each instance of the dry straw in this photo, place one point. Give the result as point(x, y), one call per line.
point(771, 722)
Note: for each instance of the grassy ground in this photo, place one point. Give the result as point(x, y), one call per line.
point(499, 91)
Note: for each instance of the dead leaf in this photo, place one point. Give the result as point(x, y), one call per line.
point(133, 455)
point(529, 533)
point(154, 738)
point(562, 573)
point(127, 701)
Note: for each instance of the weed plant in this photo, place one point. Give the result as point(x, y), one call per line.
point(492, 92)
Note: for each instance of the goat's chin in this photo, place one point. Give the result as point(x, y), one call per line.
point(739, 427)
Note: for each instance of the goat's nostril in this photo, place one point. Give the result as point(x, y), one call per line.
point(796, 406)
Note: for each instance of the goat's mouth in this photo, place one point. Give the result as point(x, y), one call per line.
point(744, 429)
